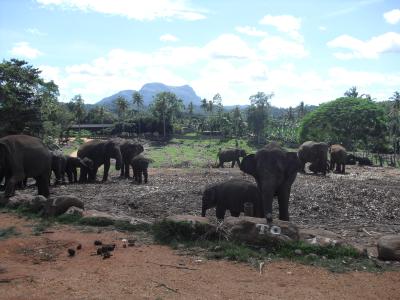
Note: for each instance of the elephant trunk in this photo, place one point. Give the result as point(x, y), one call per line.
point(118, 159)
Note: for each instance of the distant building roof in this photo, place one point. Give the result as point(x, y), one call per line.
point(93, 126)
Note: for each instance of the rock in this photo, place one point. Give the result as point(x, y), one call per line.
point(98, 243)
point(38, 203)
point(389, 247)
point(319, 237)
point(60, 205)
point(132, 204)
point(79, 247)
point(71, 252)
point(188, 218)
point(18, 199)
point(94, 213)
point(30, 203)
point(256, 231)
point(73, 210)
point(298, 252)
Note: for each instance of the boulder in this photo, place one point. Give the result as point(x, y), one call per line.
point(248, 230)
point(29, 202)
point(256, 231)
point(320, 237)
point(60, 205)
point(99, 214)
point(389, 247)
point(18, 199)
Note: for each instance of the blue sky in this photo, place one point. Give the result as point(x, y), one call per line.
point(311, 51)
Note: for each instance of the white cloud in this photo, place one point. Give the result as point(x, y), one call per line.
point(322, 28)
point(23, 49)
point(373, 48)
point(275, 47)
point(35, 31)
point(168, 38)
point(134, 9)
point(284, 23)
point(229, 46)
point(252, 31)
point(393, 16)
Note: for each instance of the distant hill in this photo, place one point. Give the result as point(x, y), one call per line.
point(149, 90)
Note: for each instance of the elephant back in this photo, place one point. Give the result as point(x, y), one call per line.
point(338, 153)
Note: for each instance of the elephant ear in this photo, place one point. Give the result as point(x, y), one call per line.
point(293, 164)
point(248, 165)
point(10, 157)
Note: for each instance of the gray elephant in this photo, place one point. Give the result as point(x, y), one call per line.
point(338, 158)
point(129, 150)
point(58, 164)
point(316, 153)
point(140, 165)
point(274, 170)
point(228, 155)
point(23, 156)
point(231, 195)
point(101, 152)
point(73, 163)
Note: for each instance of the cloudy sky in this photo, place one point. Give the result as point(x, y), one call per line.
point(309, 51)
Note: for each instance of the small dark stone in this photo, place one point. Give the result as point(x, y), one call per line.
point(71, 252)
point(79, 247)
point(106, 255)
point(98, 243)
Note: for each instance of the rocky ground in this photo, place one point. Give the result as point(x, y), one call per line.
point(359, 207)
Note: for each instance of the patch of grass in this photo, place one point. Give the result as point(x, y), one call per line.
point(96, 221)
point(42, 226)
point(68, 218)
point(197, 236)
point(8, 232)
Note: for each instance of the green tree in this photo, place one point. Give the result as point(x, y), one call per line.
point(257, 113)
point(137, 99)
point(351, 92)
point(166, 106)
point(190, 110)
point(394, 121)
point(348, 120)
point(78, 107)
point(204, 105)
point(27, 101)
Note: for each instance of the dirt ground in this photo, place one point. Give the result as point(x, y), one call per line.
point(359, 207)
point(38, 267)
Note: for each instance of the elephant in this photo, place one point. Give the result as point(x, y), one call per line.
point(23, 156)
point(351, 159)
point(338, 158)
point(316, 153)
point(73, 163)
point(230, 155)
point(100, 152)
point(274, 170)
point(232, 195)
point(139, 166)
point(58, 164)
point(129, 150)
point(364, 161)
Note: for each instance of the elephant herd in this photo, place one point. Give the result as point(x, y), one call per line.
point(23, 156)
point(274, 170)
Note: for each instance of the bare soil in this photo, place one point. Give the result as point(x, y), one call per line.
point(359, 207)
point(38, 267)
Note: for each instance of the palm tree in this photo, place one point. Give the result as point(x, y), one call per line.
point(137, 99)
point(190, 109)
point(122, 106)
point(79, 109)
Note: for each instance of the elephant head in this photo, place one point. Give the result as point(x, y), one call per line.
point(113, 150)
point(248, 165)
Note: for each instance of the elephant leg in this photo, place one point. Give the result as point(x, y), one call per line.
point(268, 191)
point(122, 170)
point(220, 212)
point(221, 163)
point(343, 168)
point(145, 175)
point(92, 174)
point(283, 201)
point(303, 165)
point(74, 175)
point(140, 176)
point(127, 175)
point(82, 176)
point(42, 184)
point(10, 187)
point(106, 169)
point(332, 164)
point(233, 164)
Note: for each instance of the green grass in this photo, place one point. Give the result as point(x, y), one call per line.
point(196, 236)
point(8, 232)
point(192, 151)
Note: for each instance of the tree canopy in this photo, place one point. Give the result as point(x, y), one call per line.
point(348, 120)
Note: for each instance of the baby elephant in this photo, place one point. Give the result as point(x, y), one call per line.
point(139, 165)
point(232, 195)
point(73, 163)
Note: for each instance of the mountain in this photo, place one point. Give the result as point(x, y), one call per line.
point(149, 90)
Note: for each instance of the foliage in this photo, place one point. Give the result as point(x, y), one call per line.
point(257, 113)
point(99, 115)
point(166, 107)
point(26, 99)
point(349, 121)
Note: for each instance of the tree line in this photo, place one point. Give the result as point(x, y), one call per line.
point(30, 105)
